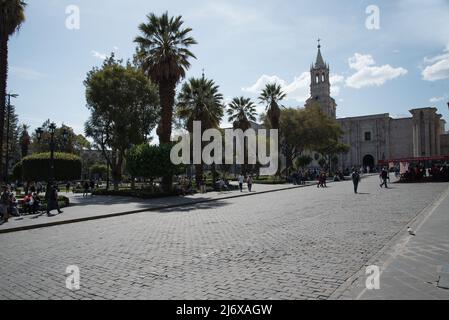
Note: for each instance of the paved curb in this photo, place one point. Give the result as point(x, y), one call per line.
point(151, 209)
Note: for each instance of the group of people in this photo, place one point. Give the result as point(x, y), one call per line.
point(88, 187)
point(419, 173)
point(322, 179)
point(31, 203)
point(249, 181)
point(356, 178)
point(8, 204)
point(185, 186)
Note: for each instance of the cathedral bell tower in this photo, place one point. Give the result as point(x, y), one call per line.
point(320, 87)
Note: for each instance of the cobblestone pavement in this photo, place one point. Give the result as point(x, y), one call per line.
point(296, 244)
point(93, 207)
point(414, 267)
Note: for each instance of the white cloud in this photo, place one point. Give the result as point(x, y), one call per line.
point(298, 89)
point(368, 74)
point(25, 73)
point(98, 55)
point(439, 99)
point(437, 67)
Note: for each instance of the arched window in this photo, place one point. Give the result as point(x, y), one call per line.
point(317, 79)
point(323, 77)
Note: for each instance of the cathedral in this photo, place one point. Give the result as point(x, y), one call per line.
point(379, 138)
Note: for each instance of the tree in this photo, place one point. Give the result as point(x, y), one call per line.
point(164, 56)
point(150, 161)
point(306, 129)
point(24, 140)
point(74, 143)
point(11, 139)
point(272, 95)
point(98, 170)
point(37, 167)
point(330, 151)
point(12, 16)
point(200, 100)
point(124, 110)
point(303, 161)
point(241, 112)
point(163, 53)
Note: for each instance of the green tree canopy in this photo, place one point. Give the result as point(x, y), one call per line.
point(37, 167)
point(150, 161)
point(75, 143)
point(124, 109)
point(306, 129)
point(272, 95)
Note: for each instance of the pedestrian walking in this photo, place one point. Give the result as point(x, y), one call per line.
point(250, 182)
point(355, 180)
point(86, 189)
point(4, 203)
point(52, 201)
point(241, 180)
point(204, 184)
point(384, 176)
point(92, 187)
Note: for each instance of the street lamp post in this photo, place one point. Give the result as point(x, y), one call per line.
point(52, 131)
point(8, 114)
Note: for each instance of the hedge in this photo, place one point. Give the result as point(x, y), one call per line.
point(37, 167)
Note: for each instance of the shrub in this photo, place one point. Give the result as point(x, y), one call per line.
point(37, 167)
point(149, 161)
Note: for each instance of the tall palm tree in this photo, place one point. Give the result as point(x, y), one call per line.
point(271, 96)
point(163, 53)
point(12, 15)
point(241, 112)
point(200, 100)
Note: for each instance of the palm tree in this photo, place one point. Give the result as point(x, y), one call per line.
point(271, 96)
point(199, 100)
point(12, 15)
point(164, 56)
point(241, 112)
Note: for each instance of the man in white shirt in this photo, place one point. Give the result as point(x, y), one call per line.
point(241, 180)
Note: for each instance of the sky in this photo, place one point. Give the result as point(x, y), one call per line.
point(385, 56)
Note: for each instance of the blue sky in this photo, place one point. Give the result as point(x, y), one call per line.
point(242, 45)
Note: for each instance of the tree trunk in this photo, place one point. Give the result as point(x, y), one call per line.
point(199, 174)
point(133, 183)
point(3, 85)
point(167, 92)
point(117, 170)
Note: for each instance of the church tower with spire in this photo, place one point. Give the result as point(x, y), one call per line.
point(320, 87)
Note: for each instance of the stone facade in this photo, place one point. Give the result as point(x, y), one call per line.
point(373, 138)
